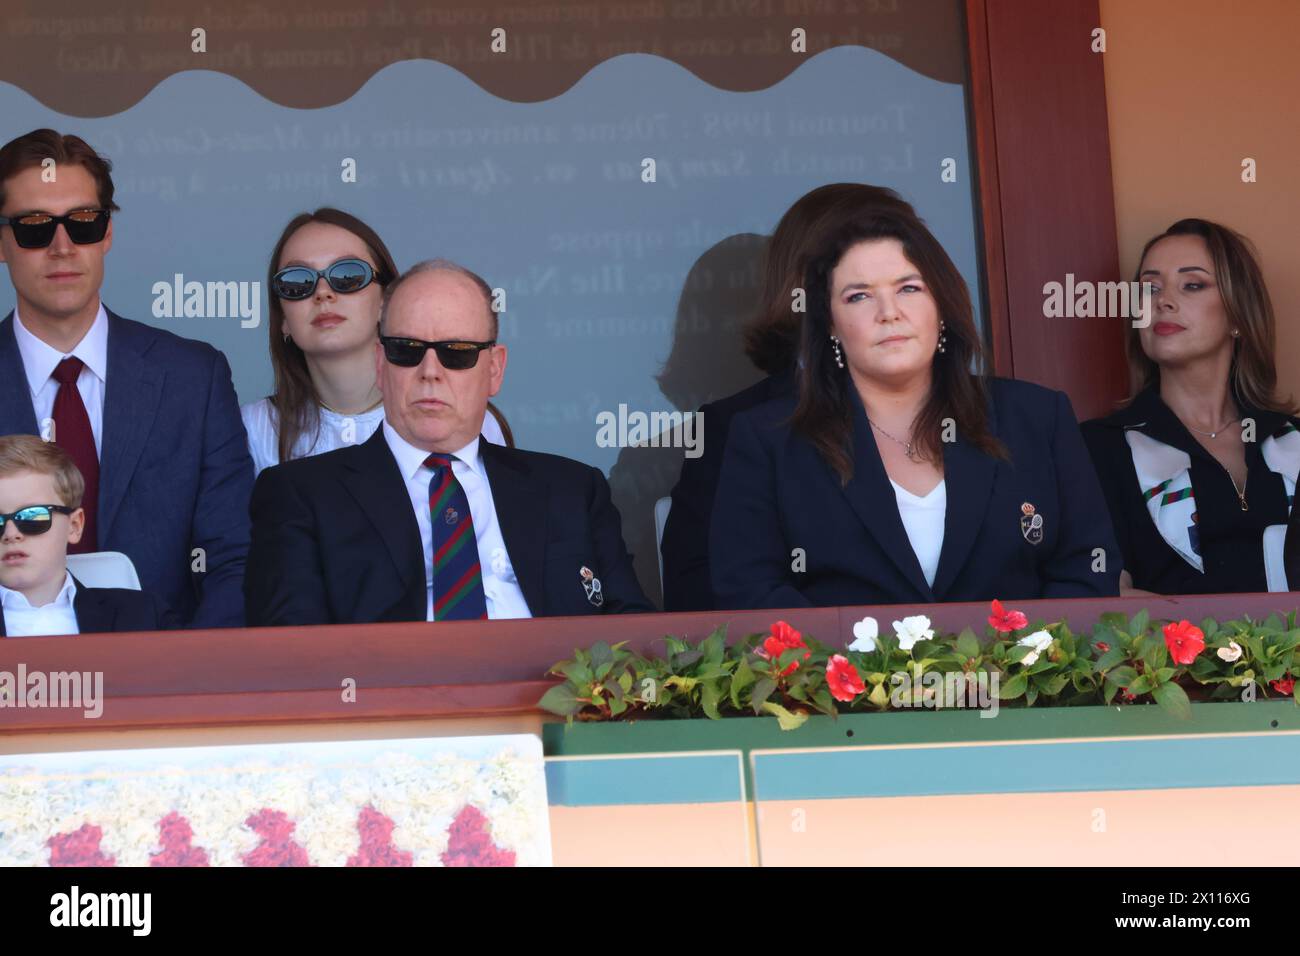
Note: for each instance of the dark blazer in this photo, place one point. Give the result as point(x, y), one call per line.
point(1230, 540)
point(174, 470)
point(335, 540)
point(688, 585)
point(102, 610)
point(777, 494)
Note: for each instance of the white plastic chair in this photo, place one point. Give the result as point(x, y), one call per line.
point(104, 569)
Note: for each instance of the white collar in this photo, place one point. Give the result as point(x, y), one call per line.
point(411, 459)
point(17, 601)
point(41, 359)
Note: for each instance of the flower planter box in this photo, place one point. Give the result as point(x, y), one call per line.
point(1031, 786)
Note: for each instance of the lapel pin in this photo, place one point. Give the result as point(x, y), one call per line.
point(1031, 524)
point(591, 584)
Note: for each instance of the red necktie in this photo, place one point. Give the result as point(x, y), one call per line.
point(72, 433)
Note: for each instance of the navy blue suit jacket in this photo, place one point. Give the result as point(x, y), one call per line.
point(777, 494)
point(101, 610)
point(174, 468)
point(335, 540)
point(685, 547)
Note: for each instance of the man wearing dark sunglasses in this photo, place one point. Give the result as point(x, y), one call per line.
point(426, 521)
point(149, 418)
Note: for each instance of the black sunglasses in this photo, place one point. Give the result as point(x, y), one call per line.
point(456, 356)
point(299, 282)
point(35, 230)
point(34, 519)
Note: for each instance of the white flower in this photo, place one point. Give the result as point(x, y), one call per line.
point(1230, 653)
point(864, 634)
point(912, 629)
point(1039, 641)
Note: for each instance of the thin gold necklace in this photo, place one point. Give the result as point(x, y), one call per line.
point(362, 412)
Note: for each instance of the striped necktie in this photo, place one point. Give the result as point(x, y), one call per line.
point(457, 577)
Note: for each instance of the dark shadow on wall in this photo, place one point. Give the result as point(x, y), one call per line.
point(707, 362)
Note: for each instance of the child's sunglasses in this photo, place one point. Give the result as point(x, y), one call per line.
point(344, 276)
point(34, 519)
point(35, 230)
point(455, 356)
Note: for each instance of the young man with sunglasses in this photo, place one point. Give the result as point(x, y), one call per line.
point(40, 517)
point(425, 521)
point(149, 418)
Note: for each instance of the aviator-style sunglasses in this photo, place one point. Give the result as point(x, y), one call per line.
point(344, 276)
point(35, 230)
point(455, 356)
point(34, 519)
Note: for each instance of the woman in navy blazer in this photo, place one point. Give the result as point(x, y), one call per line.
point(896, 475)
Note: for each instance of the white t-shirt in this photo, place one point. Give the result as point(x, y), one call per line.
point(923, 521)
point(336, 431)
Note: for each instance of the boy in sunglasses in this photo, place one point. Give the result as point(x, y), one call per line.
point(150, 419)
point(425, 521)
point(40, 516)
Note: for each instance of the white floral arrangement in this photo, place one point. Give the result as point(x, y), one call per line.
point(279, 810)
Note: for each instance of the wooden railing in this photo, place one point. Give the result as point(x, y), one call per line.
point(420, 670)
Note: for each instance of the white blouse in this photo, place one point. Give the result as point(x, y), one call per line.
point(923, 521)
point(336, 431)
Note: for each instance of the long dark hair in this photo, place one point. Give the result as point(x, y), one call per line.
point(772, 337)
point(295, 399)
point(1253, 376)
point(824, 412)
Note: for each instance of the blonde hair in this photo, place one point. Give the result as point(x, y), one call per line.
point(29, 453)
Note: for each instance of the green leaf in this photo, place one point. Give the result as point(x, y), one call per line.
point(710, 694)
point(575, 671)
point(1139, 622)
point(879, 697)
point(1031, 694)
point(1140, 685)
point(561, 700)
point(1109, 659)
point(1055, 684)
point(785, 718)
point(1121, 676)
point(715, 645)
point(1209, 627)
point(617, 706)
point(601, 653)
point(1014, 687)
point(1173, 698)
point(968, 644)
point(741, 679)
point(762, 691)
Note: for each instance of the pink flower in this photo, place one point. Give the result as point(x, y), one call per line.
point(470, 844)
point(377, 847)
point(783, 638)
point(1185, 640)
point(1006, 621)
point(843, 678)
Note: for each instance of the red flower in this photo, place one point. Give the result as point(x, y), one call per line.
point(470, 844)
point(176, 837)
point(843, 679)
point(1184, 640)
point(79, 848)
point(278, 847)
point(783, 638)
point(1103, 646)
point(377, 847)
point(1006, 621)
point(1285, 685)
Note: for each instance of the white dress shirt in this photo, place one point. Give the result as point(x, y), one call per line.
point(501, 588)
point(40, 360)
point(923, 521)
point(57, 617)
point(336, 431)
